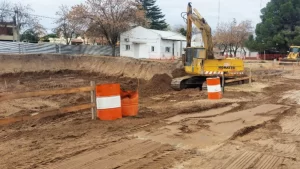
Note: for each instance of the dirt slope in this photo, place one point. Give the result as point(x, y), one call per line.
point(112, 66)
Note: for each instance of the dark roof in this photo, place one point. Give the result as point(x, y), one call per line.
point(7, 23)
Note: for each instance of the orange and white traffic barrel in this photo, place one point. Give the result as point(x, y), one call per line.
point(214, 88)
point(108, 101)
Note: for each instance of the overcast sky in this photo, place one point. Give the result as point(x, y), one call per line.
point(239, 9)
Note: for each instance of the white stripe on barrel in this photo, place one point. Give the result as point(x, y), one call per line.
point(108, 102)
point(214, 88)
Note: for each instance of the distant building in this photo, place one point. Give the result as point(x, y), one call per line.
point(81, 41)
point(8, 31)
point(140, 42)
point(60, 40)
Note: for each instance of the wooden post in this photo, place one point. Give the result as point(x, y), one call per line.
point(223, 83)
point(93, 100)
point(45, 93)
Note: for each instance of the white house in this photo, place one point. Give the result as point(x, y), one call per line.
point(140, 42)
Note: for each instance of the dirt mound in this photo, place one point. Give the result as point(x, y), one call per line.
point(130, 84)
point(110, 66)
point(160, 83)
point(178, 73)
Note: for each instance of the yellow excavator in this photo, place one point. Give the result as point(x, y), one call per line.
point(200, 62)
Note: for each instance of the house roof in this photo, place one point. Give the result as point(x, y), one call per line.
point(12, 24)
point(77, 40)
point(169, 35)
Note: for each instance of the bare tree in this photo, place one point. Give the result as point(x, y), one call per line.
point(110, 18)
point(21, 15)
point(231, 36)
point(240, 35)
point(222, 37)
point(67, 27)
point(6, 12)
point(39, 29)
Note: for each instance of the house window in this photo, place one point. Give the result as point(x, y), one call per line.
point(6, 31)
point(168, 49)
point(152, 49)
point(127, 47)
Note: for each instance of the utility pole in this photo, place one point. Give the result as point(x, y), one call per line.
point(17, 25)
point(219, 12)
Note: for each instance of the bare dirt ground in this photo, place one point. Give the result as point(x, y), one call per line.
point(253, 126)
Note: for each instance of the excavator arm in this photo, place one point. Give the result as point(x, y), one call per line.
point(196, 19)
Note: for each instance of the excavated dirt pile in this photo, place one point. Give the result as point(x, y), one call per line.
point(160, 83)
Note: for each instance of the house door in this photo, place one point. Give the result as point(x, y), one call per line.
point(136, 48)
point(144, 51)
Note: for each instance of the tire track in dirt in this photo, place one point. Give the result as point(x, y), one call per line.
point(269, 162)
point(251, 159)
point(242, 161)
point(272, 145)
point(131, 154)
point(163, 159)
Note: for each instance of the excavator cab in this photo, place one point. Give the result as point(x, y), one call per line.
point(193, 53)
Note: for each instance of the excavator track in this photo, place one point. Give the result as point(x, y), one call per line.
point(188, 82)
point(200, 82)
point(179, 83)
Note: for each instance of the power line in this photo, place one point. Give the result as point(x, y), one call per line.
point(40, 16)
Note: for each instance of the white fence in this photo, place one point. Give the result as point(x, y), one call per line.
point(44, 48)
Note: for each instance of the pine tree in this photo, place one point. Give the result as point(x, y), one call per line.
point(280, 26)
point(154, 15)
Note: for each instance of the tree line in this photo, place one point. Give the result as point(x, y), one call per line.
point(279, 29)
point(93, 18)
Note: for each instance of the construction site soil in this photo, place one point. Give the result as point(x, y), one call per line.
point(253, 126)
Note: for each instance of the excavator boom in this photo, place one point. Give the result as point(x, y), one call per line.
point(196, 19)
